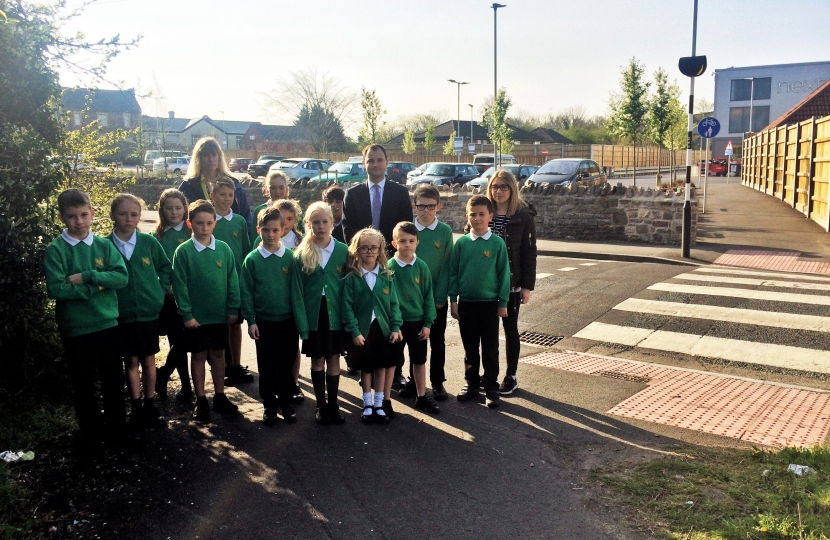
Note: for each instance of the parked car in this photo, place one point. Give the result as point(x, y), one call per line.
point(260, 168)
point(419, 171)
point(717, 167)
point(442, 174)
point(150, 156)
point(343, 171)
point(485, 161)
point(521, 172)
point(175, 165)
point(302, 168)
point(239, 164)
point(355, 159)
point(566, 171)
point(397, 170)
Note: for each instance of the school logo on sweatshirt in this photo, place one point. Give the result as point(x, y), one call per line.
point(487, 254)
point(218, 264)
point(99, 262)
point(437, 245)
point(181, 240)
point(386, 290)
point(236, 234)
point(417, 280)
point(145, 261)
point(338, 269)
point(285, 270)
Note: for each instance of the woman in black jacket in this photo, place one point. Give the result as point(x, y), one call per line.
point(513, 221)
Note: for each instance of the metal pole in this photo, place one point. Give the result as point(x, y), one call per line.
point(496, 156)
point(458, 113)
point(686, 236)
point(751, 95)
point(705, 177)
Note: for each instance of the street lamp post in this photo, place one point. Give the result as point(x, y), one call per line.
point(458, 112)
point(471, 122)
point(686, 235)
point(496, 156)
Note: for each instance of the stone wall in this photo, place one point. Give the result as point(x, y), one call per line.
point(599, 213)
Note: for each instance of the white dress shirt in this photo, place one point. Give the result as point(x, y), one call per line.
point(176, 228)
point(371, 277)
point(74, 241)
point(229, 217)
point(405, 264)
point(325, 255)
point(265, 253)
point(289, 240)
point(200, 247)
point(430, 227)
point(485, 236)
point(126, 248)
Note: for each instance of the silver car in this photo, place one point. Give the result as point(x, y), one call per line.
point(300, 168)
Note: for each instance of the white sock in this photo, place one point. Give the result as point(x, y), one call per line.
point(378, 399)
point(367, 399)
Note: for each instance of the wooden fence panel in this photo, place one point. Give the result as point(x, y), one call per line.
point(772, 165)
point(820, 174)
point(791, 164)
point(805, 156)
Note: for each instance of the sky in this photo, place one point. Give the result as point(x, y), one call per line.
point(207, 56)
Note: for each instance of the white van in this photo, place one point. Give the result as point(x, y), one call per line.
point(151, 155)
point(483, 162)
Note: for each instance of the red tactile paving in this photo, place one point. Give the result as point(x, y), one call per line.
point(785, 261)
point(753, 411)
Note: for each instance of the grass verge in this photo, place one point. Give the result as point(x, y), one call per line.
point(727, 494)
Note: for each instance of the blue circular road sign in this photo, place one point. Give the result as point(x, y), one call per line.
point(708, 127)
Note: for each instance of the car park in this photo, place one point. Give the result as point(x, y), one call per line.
point(175, 165)
point(239, 164)
point(483, 162)
point(150, 156)
point(397, 170)
point(444, 174)
point(520, 172)
point(260, 168)
point(302, 168)
point(418, 172)
point(343, 171)
point(567, 171)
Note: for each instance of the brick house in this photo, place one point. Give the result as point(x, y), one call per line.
point(113, 109)
point(275, 139)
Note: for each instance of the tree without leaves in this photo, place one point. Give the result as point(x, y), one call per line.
point(409, 142)
point(319, 104)
point(373, 126)
point(630, 107)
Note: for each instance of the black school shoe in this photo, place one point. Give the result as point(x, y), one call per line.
point(386, 405)
point(408, 390)
point(288, 414)
point(185, 395)
point(468, 392)
point(322, 416)
point(238, 375)
point(426, 403)
point(492, 399)
point(269, 416)
point(368, 415)
point(439, 392)
point(202, 411)
point(223, 405)
point(136, 420)
point(335, 416)
point(508, 385)
point(298, 396)
point(152, 416)
point(380, 418)
point(399, 382)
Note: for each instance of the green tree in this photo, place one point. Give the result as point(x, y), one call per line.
point(429, 138)
point(664, 111)
point(323, 128)
point(495, 118)
point(629, 108)
point(372, 118)
point(409, 142)
point(449, 146)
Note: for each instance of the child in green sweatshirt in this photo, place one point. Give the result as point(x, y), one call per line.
point(83, 272)
point(265, 290)
point(414, 286)
point(372, 316)
point(206, 287)
point(139, 305)
point(479, 290)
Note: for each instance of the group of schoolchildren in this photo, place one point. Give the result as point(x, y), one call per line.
point(198, 275)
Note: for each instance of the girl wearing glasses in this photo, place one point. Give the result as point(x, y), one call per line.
point(372, 316)
point(317, 284)
point(514, 223)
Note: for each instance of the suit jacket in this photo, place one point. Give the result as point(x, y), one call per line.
point(396, 206)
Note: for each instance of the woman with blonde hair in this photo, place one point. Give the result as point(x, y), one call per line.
point(513, 221)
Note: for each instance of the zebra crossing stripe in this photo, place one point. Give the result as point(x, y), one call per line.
point(735, 350)
point(792, 321)
point(713, 270)
point(756, 282)
point(748, 294)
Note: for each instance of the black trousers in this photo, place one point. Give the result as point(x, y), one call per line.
point(417, 348)
point(95, 358)
point(276, 350)
point(438, 346)
point(511, 333)
point(478, 323)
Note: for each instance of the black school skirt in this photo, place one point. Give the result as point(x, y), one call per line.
point(323, 342)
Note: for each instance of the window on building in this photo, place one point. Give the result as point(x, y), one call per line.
point(252, 137)
point(76, 118)
point(103, 120)
point(194, 139)
point(742, 89)
point(238, 139)
point(739, 119)
point(126, 117)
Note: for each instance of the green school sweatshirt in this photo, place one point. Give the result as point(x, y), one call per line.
point(359, 301)
point(265, 286)
point(235, 234)
point(415, 294)
point(205, 284)
point(479, 270)
point(84, 309)
point(307, 290)
point(435, 249)
point(257, 210)
point(171, 239)
point(150, 275)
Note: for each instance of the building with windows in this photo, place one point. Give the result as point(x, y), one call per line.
point(748, 98)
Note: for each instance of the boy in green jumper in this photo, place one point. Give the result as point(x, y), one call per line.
point(414, 284)
point(233, 230)
point(82, 273)
point(435, 245)
point(479, 290)
point(265, 290)
point(206, 287)
point(139, 306)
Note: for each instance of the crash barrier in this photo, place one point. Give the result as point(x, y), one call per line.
point(792, 164)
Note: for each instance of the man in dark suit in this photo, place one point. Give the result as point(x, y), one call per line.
point(378, 202)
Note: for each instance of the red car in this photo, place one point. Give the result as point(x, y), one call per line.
point(717, 167)
point(239, 164)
